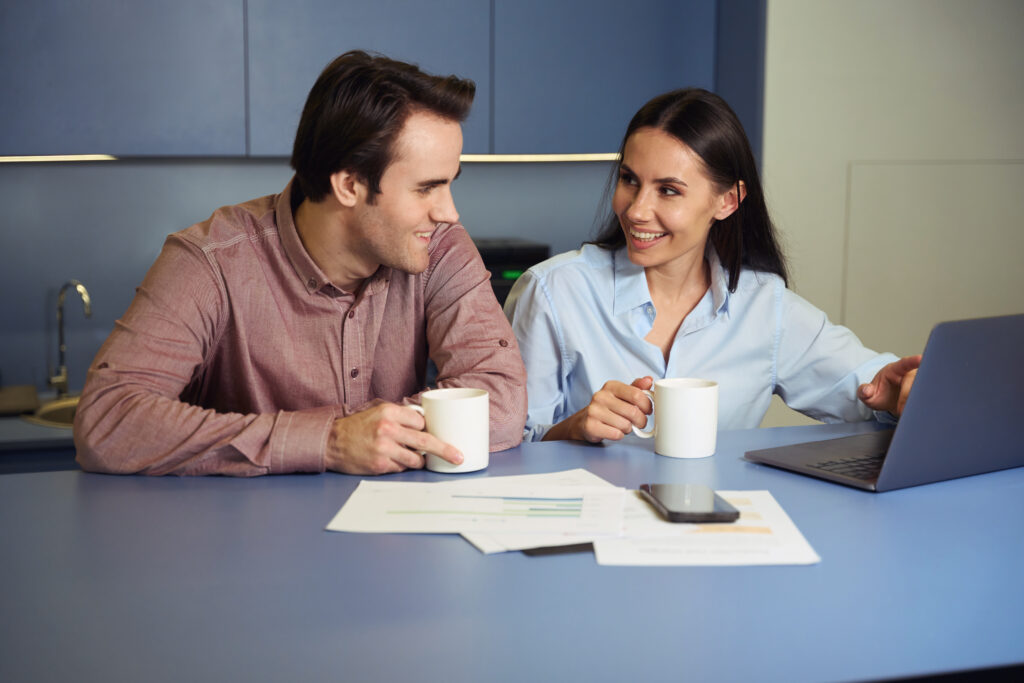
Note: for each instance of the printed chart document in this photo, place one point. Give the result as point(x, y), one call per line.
point(500, 542)
point(763, 535)
point(473, 505)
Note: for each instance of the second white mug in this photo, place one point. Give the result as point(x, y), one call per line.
point(685, 417)
point(459, 416)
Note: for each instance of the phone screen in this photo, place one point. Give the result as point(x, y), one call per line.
point(689, 503)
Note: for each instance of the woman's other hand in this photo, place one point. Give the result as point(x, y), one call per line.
point(891, 386)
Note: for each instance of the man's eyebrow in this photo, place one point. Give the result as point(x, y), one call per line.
point(439, 181)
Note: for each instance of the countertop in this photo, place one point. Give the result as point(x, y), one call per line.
point(19, 434)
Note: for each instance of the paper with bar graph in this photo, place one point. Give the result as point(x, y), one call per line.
point(503, 541)
point(417, 507)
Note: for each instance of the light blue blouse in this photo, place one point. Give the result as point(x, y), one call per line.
point(581, 318)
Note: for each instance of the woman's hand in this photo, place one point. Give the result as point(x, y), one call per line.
point(891, 386)
point(611, 413)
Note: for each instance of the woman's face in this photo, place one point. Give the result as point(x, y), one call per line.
point(665, 201)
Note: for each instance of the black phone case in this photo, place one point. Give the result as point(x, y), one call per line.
point(720, 516)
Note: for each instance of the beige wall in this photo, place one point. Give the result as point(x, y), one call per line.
point(894, 160)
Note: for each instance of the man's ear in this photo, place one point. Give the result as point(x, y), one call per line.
point(347, 188)
point(731, 200)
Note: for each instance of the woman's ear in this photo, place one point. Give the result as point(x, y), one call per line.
point(347, 188)
point(731, 200)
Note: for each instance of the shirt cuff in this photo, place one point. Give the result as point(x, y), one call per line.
point(299, 440)
point(536, 432)
point(885, 417)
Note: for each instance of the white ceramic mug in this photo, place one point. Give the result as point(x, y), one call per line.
point(685, 417)
point(459, 416)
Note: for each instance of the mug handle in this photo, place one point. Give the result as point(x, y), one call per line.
point(418, 409)
point(650, 432)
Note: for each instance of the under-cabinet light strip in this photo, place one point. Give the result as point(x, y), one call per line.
point(471, 158)
point(539, 157)
point(58, 157)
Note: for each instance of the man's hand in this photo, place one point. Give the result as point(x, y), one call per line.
point(891, 386)
point(385, 438)
point(611, 413)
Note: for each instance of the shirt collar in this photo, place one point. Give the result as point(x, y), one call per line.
point(719, 281)
point(631, 286)
point(309, 273)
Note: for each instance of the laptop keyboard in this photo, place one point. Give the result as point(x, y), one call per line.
point(859, 467)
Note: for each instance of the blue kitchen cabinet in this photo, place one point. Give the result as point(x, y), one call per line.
point(290, 44)
point(122, 78)
point(569, 75)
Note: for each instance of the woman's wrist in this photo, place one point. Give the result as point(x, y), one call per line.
point(562, 431)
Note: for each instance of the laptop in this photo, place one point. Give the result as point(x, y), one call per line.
point(964, 416)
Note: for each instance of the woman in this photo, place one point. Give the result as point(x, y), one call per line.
point(686, 280)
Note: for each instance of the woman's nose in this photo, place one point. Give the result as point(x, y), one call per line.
point(639, 209)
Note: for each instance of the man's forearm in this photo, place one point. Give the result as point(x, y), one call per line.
point(122, 428)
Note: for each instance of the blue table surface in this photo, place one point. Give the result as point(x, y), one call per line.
point(112, 578)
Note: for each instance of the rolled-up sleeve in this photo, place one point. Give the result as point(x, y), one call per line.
point(470, 340)
point(819, 365)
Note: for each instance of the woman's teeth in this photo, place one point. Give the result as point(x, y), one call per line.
point(645, 236)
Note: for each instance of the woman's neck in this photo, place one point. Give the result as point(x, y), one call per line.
point(675, 289)
point(678, 281)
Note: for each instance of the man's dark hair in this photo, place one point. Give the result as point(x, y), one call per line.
point(706, 124)
point(355, 111)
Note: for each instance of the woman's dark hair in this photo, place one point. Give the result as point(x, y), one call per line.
point(355, 111)
point(703, 121)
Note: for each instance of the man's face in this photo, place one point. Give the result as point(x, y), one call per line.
point(415, 195)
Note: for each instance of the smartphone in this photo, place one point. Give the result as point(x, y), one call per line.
point(688, 503)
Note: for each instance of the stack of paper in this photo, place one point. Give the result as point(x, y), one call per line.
point(498, 514)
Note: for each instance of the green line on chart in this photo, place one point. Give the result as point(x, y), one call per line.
point(477, 513)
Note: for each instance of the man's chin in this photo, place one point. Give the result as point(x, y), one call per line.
point(412, 266)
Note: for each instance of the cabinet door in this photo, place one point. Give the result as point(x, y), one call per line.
point(569, 75)
point(290, 44)
point(122, 78)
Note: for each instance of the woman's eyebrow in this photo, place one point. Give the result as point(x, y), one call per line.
point(668, 179)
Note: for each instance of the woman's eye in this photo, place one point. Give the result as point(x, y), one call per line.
point(627, 178)
point(669, 191)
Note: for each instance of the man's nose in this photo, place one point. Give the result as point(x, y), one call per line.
point(444, 210)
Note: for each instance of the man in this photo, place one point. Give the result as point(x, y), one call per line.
point(283, 334)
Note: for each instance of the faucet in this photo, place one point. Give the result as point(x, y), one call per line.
point(60, 380)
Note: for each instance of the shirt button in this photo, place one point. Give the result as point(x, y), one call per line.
point(311, 283)
point(351, 314)
point(355, 372)
point(503, 342)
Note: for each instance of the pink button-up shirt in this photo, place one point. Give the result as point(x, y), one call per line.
point(237, 353)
